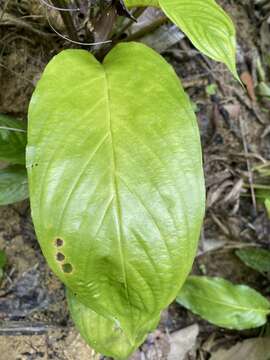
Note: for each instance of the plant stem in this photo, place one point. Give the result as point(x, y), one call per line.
point(67, 19)
point(257, 186)
point(147, 29)
point(137, 13)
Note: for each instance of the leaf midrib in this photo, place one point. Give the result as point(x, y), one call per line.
point(115, 189)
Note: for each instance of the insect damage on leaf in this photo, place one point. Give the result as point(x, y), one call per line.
point(67, 268)
point(60, 257)
point(59, 242)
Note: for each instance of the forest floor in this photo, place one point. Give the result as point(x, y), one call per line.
point(235, 132)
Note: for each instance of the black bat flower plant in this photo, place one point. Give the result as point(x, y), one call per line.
point(115, 174)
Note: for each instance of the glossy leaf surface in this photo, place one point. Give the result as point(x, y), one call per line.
point(223, 303)
point(116, 181)
point(12, 140)
point(207, 26)
point(13, 185)
point(257, 259)
point(103, 334)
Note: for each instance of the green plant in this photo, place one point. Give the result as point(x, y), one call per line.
point(115, 175)
point(256, 258)
point(116, 193)
point(3, 262)
point(13, 177)
point(224, 304)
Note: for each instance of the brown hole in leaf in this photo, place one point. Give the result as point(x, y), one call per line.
point(60, 257)
point(59, 242)
point(67, 268)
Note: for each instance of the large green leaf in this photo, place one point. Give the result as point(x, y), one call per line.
point(205, 23)
point(207, 26)
point(257, 259)
point(12, 140)
point(13, 185)
point(103, 334)
point(116, 181)
point(224, 304)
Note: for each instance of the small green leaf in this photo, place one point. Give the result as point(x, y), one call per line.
point(262, 194)
point(103, 334)
point(3, 259)
point(211, 89)
point(13, 185)
point(263, 90)
point(223, 303)
point(12, 140)
point(207, 26)
point(257, 259)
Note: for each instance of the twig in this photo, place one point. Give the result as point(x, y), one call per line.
point(12, 129)
point(4, 9)
point(10, 20)
point(13, 328)
point(247, 104)
point(250, 155)
point(227, 246)
point(249, 168)
point(257, 186)
point(17, 74)
point(58, 8)
point(219, 223)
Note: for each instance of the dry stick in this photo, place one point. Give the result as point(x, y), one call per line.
point(12, 328)
point(58, 8)
point(247, 104)
point(17, 74)
point(4, 9)
point(226, 246)
point(250, 176)
point(10, 20)
point(257, 186)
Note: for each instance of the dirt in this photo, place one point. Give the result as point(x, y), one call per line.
point(34, 321)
